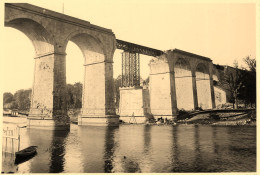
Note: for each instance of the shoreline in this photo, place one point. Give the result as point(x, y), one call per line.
point(22, 121)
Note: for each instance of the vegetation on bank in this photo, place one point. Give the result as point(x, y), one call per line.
point(222, 117)
point(20, 100)
point(240, 83)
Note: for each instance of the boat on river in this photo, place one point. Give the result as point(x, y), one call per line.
point(25, 154)
point(31, 150)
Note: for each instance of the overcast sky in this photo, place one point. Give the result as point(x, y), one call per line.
point(223, 32)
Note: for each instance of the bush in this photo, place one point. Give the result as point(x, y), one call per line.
point(183, 115)
point(214, 116)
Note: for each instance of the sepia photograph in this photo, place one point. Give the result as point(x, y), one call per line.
point(128, 86)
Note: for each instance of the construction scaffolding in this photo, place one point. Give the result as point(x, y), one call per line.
point(130, 69)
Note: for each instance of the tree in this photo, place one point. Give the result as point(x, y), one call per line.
point(77, 91)
point(251, 63)
point(22, 99)
point(249, 81)
point(74, 95)
point(9, 101)
point(233, 82)
point(8, 98)
point(247, 92)
point(241, 82)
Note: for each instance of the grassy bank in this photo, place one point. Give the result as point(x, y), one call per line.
point(221, 118)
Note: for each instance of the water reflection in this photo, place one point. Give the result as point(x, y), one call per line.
point(175, 154)
point(58, 151)
point(245, 148)
point(110, 146)
point(146, 162)
point(8, 163)
point(50, 150)
point(128, 152)
point(138, 148)
point(185, 148)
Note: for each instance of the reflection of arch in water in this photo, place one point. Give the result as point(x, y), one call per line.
point(147, 138)
point(97, 148)
point(175, 152)
point(50, 151)
point(92, 148)
point(185, 151)
point(161, 146)
point(58, 151)
point(109, 149)
point(203, 86)
point(129, 149)
point(183, 84)
point(146, 162)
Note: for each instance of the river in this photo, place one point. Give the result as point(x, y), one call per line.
point(139, 148)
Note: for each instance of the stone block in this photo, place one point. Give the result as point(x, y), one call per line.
point(107, 120)
point(134, 105)
point(47, 124)
point(220, 96)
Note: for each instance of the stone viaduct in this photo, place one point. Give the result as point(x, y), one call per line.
point(175, 75)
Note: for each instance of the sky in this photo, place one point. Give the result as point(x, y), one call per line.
point(223, 32)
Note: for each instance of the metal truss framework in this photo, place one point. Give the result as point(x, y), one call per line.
point(135, 48)
point(131, 61)
point(130, 69)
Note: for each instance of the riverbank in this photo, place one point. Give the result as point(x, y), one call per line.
point(223, 118)
point(19, 121)
point(219, 118)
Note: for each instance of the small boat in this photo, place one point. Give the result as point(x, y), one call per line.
point(31, 150)
point(19, 160)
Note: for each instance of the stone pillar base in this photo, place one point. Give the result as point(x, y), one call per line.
point(134, 105)
point(107, 120)
point(47, 124)
point(134, 119)
point(169, 117)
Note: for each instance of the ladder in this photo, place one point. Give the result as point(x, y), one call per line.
point(133, 118)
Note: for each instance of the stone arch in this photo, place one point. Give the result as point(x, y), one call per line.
point(183, 67)
point(203, 86)
point(91, 47)
point(183, 84)
point(215, 74)
point(98, 74)
point(41, 39)
point(202, 71)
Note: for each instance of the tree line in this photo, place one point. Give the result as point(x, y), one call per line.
point(21, 99)
point(240, 82)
